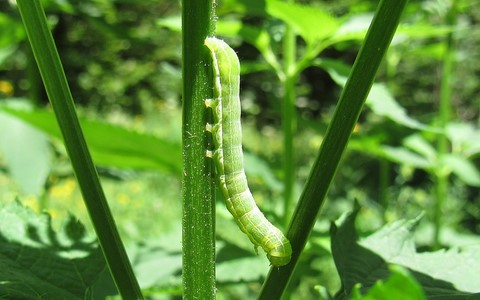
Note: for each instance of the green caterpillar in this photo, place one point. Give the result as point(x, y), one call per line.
point(228, 155)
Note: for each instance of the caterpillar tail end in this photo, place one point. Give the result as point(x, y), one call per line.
point(280, 255)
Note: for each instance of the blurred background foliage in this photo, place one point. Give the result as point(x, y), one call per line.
point(122, 60)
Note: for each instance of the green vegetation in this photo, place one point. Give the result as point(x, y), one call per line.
point(380, 201)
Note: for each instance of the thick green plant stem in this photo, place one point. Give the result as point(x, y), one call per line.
point(198, 189)
point(351, 101)
point(441, 182)
point(60, 97)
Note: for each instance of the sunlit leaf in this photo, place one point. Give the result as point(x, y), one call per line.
point(452, 273)
point(400, 285)
point(304, 20)
point(418, 144)
point(27, 153)
point(463, 168)
point(114, 146)
point(39, 263)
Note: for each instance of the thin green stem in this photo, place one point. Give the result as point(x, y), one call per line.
point(441, 182)
point(338, 133)
point(60, 97)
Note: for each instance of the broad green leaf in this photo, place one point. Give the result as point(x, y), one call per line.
point(114, 146)
point(448, 236)
point(463, 168)
point(304, 19)
point(227, 230)
point(444, 274)
point(158, 262)
point(258, 169)
point(464, 137)
point(27, 153)
point(380, 101)
point(256, 36)
point(354, 28)
point(405, 157)
point(420, 31)
point(67, 7)
point(242, 269)
point(155, 265)
point(400, 285)
point(39, 263)
point(418, 144)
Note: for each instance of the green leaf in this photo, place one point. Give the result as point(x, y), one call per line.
point(451, 274)
point(421, 31)
point(250, 268)
point(404, 157)
point(354, 28)
point(400, 285)
point(256, 36)
point(448, 236)
point(304, 20)
point(39, 263)
point(463, 168)
point(155, 264)
point(114, 146)
point(418, 144)
point(27, 153)
point(227, 230)
point(464, 137)
point(258, 169)
point(379, 100)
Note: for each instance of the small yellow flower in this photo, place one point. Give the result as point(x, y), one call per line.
point(6, 88)
point(123, 199)
point(64, 190)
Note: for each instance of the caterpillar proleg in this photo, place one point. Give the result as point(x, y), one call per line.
point(228, 155)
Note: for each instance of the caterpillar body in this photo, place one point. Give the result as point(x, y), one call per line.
point(228, 155)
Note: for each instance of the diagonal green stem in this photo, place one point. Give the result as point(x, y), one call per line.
point(60, 97)
point(376, 43)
